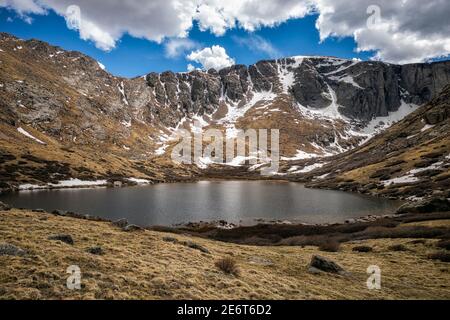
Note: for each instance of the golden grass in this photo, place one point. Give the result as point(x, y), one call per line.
point(142, 265)
point(435, 223)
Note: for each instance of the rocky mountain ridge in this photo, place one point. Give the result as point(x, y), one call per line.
point(61, 100)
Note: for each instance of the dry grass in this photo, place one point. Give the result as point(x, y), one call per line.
point(142, 265)
point(330, 246)
point(228, 265)
point(441, 256)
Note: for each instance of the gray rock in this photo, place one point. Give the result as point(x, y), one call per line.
point(39, 211)
point(195, 246)
point(66, 238)
point(61, 213)
point(170, 239)
point(326, 265)
point(4, 207)
point(11, 250)
point(314, 270)
point(96, 251)
point(122, 223)
point(310, 89)
point(362, 249)
point(132, 228)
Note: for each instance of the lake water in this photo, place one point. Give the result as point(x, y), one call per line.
point(233, 201)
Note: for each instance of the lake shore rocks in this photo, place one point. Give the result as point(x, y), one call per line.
point(4, 207)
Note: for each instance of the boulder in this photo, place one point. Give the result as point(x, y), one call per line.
point(195, 246)
point(11, 250)
point(4, 207)
point(326, 265)
point(122, 223)
point(98, 251)
point(425, 206)
point(132, 227)
point(170, 239)
point(59, 213)
point(362, 249)
point(66, 238)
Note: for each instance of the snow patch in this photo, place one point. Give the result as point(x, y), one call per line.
point(330, 112)
point(379, 124)
point(286, 72)
point(347, 79)
point(126, 124)
point(139, 181)
point(25, 133)
point(101, 65)
point(121, 87)
point(399, 180)
point(410, 176)
point(309, 168)
point(235, 112)
point(427, 127)
point(72, 183)
point(301, 155)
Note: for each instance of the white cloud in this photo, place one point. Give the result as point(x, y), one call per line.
point(405, 31)
point(105, 22)
point(88, 30)
point(257, 43)
point(215, 57)
point(408, 30)
point(219, 15)
point(23, 8)
point(176, 47)
point(190, 67)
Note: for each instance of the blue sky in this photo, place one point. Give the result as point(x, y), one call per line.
point(133, 56)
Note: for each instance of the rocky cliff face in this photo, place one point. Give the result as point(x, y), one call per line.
point(364, 90)
point(410, 160)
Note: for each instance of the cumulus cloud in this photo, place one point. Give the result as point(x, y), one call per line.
point(88, 30)
point(191, 68)
point(177, 47)
point(214, 57)
point(258, 44)
point(405, 31)
point(398, 31)
point(105, 22)
point(219, 15)
point(23, 8)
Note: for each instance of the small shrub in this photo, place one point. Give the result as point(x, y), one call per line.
point(442, 256)
point(444, 244)
point(362, 249)
point(228, 265)
point(330, 246)
point(397, 248)
point(419, 241)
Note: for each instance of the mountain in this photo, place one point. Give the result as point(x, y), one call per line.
point(62, 115)
point(410, 160)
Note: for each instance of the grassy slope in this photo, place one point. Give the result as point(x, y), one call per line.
point(142, 265)
point(405, 146)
